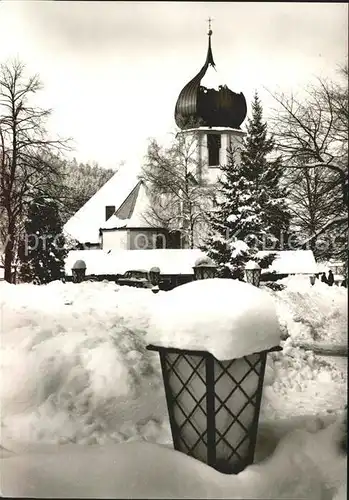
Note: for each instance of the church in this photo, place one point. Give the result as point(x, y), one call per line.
point(113, 230)
point(115, 218)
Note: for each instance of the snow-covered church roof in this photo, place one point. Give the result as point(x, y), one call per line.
point(85, 224)
point(133, 211)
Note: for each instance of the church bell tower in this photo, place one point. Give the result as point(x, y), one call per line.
point(209, 111)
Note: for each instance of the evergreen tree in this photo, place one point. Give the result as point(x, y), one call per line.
point(252, 214)
point(235, 223)
point(266, 175)
point(42, 249)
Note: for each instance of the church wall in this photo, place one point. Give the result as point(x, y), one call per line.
point(139, 239)
point(146, 239)
point(229, 139)
point(114, 240)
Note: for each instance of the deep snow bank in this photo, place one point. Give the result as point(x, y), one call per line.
point(312, 313)
point(74, 367)
point(304, 466)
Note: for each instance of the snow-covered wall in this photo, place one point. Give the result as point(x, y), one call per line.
point(171, 261)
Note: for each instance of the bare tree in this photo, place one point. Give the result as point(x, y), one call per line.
point(28, 157)
point(179, 202)
point(314, 201)
point(312, 135)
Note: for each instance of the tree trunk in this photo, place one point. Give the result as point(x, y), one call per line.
point(8, 261)
point(9, 253)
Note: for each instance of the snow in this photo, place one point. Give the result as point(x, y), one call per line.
point(75, 371)
point(142, 206)
point(99, 262)
point(137, 218)
point(228, 318)
point(74, 367)
point(238, 247)
point(337, 267)
point(312, 313)
point(291, 262)
point(305, 465)
point(84, 225)
point(114, 223)
point(204, 261)
point(251, 264)
point(232, 218)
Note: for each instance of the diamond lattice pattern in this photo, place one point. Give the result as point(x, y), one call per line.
point(236, 388)
point(187, 382)
point(236, 401)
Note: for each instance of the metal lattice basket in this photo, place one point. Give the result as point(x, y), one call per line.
point(214, 405)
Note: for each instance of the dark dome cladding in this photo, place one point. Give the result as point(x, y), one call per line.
point(199, 106)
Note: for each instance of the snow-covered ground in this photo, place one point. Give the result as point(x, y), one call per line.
point(305, 465)
point(75, 369)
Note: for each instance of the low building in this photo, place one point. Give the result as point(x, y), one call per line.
point(337, 268)
point(289, 262)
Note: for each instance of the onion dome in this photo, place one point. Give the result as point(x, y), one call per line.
point(198, 105)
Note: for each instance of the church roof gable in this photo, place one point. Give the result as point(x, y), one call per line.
point(132, 213)
point(85, 223)
point(126, 208)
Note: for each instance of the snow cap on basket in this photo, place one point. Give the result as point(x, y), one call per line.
point(204, 261)
point(251, 264)
point(228, 318)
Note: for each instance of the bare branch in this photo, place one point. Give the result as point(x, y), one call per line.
point(312, 135)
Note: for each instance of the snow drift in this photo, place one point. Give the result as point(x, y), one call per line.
point(312, 313)
point(74, 364)
point(304, 466)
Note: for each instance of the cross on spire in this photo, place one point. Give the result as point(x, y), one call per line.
point(209, 20)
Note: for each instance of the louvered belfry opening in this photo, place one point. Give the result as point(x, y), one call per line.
point(213, 146)
point(213, 405)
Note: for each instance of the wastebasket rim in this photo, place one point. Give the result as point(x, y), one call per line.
point(194, 352)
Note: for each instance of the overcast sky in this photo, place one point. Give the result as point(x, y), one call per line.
point(112, 71)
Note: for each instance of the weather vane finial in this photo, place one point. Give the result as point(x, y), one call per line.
point(209, 20)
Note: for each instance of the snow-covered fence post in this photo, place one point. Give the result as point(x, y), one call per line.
point(79, 271)
point(204, 268)
point(253, 272)
point(213, 337)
